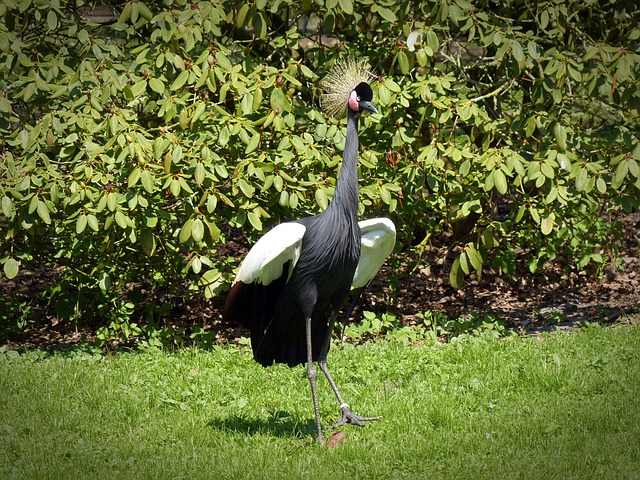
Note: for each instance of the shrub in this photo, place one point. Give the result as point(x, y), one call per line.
point(135, 144)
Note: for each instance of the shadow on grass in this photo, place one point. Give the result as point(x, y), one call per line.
point(280, 424)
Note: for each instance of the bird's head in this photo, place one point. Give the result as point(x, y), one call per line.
point(360, 99)
point(347, 87)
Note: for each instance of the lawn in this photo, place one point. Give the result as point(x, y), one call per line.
point(563, 405)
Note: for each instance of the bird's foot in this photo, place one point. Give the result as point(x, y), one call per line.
point(349, 417)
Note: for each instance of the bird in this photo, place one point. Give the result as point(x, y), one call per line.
point(293, 282)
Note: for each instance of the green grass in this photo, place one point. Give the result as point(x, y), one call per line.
point(564, 406)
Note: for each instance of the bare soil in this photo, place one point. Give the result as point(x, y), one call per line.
point(529, 304)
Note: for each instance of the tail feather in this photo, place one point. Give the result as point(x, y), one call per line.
point(286, 342)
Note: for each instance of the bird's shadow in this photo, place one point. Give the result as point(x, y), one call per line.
point(279, 424)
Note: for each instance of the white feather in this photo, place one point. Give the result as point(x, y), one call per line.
point(378, 240)
point(412, 39)
point(265, 261)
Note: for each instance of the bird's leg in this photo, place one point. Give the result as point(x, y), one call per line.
point(313, 375)
point(347, 415)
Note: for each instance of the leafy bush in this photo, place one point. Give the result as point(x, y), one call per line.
point(136, 143)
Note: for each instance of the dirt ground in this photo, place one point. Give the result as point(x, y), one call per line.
point(529, 304)
point(535, 303)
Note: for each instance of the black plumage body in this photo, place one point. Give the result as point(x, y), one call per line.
point(319, 283)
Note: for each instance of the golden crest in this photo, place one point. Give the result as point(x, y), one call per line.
point(345, 76)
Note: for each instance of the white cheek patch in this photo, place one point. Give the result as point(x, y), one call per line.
point(353, 101)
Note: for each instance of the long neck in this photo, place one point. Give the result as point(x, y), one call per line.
point(346, 193)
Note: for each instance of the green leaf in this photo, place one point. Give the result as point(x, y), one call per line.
point(52, 20)
point(185, 231)
point(253, 144)
point(385, 195)
point(138, 88)
point(11, 268)
point(196, 265)
point(134, 176)
point(221, 170)
point(33, 204)
point(43, 212)
point(246, 189)
point(432, 40)
point(180, 80)
point(260, 26)
point(212, 282)
point(534, 214)
point(474, 258)
point(387, 14)
point(346, 6)
point(321, 198)
point(293, 200)
point(200, 108)
point(581, 179)
point(81, 224)
point(104, 281)
point(456, 276)
point(384, 95)
point(144, 11)
point(279, 101)
point(516, 49)
point(7, 206)
point(156, 85)
point(29, 91)
point(214, 231)
point(547, 170)
point(621, 172)
point(147, 180)
point(212, 202)
point(174, 187)
point(246, 104)
point(242, 19)
point(575, 74)
point(5, 105)
point(254, 220)
point(197, 230)
point(561, 136)
point(500, 181)
point(544, 19)
point(464, 263)
point(148, 242)
point(92, 221)
point(223, 136)
point(278, 182)
point(464, 169)
point(199, 173)
point(403, 62)
point(121, 219)
point(283, 200)
point(546, 226)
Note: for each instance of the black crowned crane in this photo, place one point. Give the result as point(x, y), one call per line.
point(295, 279)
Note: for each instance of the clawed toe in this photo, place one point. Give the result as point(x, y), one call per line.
point(349, 417)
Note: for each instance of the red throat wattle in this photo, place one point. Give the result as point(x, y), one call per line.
point(353, 101)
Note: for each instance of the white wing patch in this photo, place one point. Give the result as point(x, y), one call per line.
point(265, 261)
point(378, 240)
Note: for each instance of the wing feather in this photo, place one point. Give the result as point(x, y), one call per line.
point(265, 261)
point(378, 240)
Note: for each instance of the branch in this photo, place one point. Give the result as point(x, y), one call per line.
point(497, 91)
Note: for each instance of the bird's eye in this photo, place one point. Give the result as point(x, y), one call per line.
point(358, 99)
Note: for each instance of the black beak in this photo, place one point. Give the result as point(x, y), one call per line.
point(367, 106)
